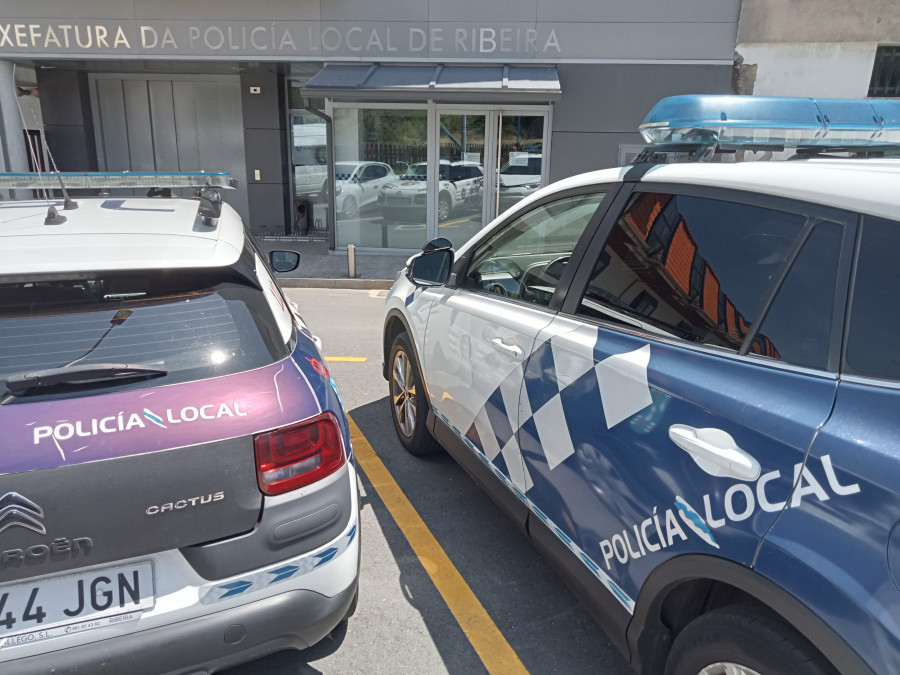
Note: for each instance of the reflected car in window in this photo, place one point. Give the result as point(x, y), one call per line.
point(460, 185)
point(519, 178)
point(358, 184)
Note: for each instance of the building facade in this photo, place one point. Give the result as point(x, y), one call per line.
point(818, 48)
point(382, 124)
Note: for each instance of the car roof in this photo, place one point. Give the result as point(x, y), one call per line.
point(109, 233)
point(868, 186)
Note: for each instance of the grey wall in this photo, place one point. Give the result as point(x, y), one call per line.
point(282, 30)
point(66, 111)
point(602, 106)
point(265, 145)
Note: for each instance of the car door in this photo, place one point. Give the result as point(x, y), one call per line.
point(668, 409)
point(372, 178)
point(481, 332)
point(848, 516)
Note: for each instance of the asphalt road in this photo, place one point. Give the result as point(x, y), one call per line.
point(403, 624)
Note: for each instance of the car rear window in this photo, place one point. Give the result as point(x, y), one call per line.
point(193, 325)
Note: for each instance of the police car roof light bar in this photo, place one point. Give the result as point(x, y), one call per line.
point(772, 122)
point(123, 180)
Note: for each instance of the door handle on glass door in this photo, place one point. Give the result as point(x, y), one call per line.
point(715, 451)
point(515, 351)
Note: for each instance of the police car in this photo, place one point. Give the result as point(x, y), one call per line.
point(177, 485)
point(681, 380)
point(460, 185)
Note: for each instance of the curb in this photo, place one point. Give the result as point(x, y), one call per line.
point(358, 284)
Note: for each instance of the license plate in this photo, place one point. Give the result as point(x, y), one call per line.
point(62, 605)
point(397, 200)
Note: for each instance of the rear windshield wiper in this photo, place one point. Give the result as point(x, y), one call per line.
point(87, 372)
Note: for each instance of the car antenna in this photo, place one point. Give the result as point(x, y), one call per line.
point(53, 217)
point(68, 203)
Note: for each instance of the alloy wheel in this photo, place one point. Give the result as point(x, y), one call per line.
point(403, 394)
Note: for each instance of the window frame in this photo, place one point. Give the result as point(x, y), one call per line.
point(849, 376)
point(459, 273)
point(813, 213)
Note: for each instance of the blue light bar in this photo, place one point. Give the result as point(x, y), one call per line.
point(111, 180)
point(772, 122)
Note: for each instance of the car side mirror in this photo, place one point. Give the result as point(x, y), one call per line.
point(284, 261)
point(431, 268)
point(439, 243)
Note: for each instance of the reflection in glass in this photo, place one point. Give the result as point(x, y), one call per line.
point(378, 203)
point(461, 181)
point(309, 161)
point(690, 268)
point(521, 160)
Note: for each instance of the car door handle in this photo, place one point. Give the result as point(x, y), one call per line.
point(515, 351)
point(715, 451)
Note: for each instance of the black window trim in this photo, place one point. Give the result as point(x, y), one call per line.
point(845, 328)
point(814, 213)
point(461, 266)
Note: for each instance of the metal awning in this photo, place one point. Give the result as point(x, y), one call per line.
point(441, 83)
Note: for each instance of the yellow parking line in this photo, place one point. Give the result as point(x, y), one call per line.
point(455, 222)
point(354, 359)
point(495, 652)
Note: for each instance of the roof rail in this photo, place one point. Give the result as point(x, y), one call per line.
point(123, 180)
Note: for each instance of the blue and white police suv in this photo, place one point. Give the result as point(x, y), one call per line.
point(177, 483)
point(682, 381)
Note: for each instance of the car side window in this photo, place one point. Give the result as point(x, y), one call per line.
point(874, 312)
point(376, 171)
point(526, 259)
point(797, 326)
point(690, 268)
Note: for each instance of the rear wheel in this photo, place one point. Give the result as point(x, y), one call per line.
point(743, 641)
point(409, 407)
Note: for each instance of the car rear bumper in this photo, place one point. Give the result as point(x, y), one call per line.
point(292, 620)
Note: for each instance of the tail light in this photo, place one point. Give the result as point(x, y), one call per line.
point(298, 455)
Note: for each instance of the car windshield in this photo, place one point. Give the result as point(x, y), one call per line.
point(191, 325)
point(416, 172)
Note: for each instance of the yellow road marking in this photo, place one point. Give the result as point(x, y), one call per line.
point(354, 359)
point(456, 222)
point(490, 644)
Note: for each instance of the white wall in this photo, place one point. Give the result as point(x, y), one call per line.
point(819, 69)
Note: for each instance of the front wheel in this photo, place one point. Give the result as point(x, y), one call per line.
point(409, 407)
point(743, 641)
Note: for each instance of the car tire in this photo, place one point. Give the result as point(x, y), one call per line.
point(740, 639)
point(350, 208)
point(409, 404)
point(444, 207)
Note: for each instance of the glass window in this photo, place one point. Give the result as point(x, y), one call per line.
point(797, 326)
point(874, 310)
point(689, 268)
point(194, 324)
point(386, 207)
point(526, 259)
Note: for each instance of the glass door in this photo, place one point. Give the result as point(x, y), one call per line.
point(520, 158)
point(463, 148)
point(309, 168)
